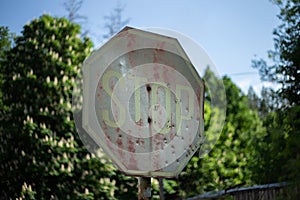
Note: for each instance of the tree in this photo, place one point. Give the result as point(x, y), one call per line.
point(6, 40)
point(286, 56)
point(233, 158)
point(284, 129)
point(264, 104)
point(41, 155)
point(114, 21)
point(215, 99)
point(214, 85)
point(254, 102)
point(73, 7)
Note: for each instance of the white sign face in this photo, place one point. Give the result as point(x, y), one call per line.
point(143, 103)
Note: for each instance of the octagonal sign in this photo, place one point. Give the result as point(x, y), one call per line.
point(143, 103)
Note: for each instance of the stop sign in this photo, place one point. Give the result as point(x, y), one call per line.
point(143, 103)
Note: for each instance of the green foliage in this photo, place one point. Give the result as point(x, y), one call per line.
point(41, 155)
point(214, 108)
point(280, 157)
point(286, 56)
point(254, 101)
point(233, 158)
point(214, 86)
point(6, 40)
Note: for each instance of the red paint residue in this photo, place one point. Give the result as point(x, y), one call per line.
point(100, 87)
point(172, 130)
point(156, 68)
point(161, 45)
point(104, 128)
point(131, 58)
point(140, 122)
point(156, 76)
point(198, 96)
point(132, 165)
point(131, 147)
point(172, 135)
point(158, 56)
point(109, 143)
point(119, 142)
point(131, 41)
point(112, 85)
point(140, 141)
point(156, 161)
point(158, 141)
point(167, 77)
point(108, 137)
point(159, 51)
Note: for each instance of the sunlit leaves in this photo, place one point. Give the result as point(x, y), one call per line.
point(41, 155)
point(233, 157)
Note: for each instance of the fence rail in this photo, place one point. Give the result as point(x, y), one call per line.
point(260, 192)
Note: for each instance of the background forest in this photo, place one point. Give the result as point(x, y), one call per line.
point(42, 156)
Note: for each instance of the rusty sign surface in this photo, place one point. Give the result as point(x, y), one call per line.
point(143, 103)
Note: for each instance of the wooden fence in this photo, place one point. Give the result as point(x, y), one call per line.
point(273, 191)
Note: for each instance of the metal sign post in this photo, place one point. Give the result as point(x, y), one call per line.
point(144, 186)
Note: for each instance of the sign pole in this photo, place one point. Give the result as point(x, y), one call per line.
point(161, 188)
point(144, 185)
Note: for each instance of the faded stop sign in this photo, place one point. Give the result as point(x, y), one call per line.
point(143, 103)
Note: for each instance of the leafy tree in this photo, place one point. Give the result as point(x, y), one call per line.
point(283, 140)
point(214, 85)
point(114, 21)
point(41, 155)
point(73, 7)
point(6, 40)
point(215, 99)
point(254, 101)
point(286, 56)
point(233, 158)
point(264, 104)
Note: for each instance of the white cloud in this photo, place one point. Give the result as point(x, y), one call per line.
point(245, 81)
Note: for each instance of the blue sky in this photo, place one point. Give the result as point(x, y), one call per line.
point(231, 31)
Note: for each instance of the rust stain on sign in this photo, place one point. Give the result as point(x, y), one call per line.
point(143, 103)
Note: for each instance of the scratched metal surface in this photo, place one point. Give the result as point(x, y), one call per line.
point(143, 103)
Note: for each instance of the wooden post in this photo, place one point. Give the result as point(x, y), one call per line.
point(144, 188)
